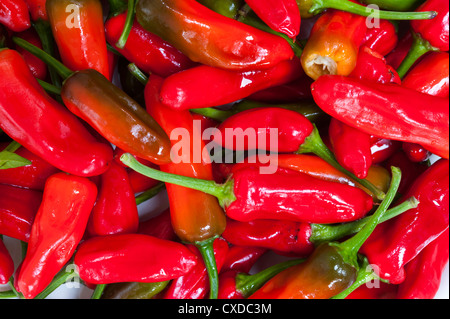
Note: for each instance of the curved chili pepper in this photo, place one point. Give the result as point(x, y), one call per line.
point(159, 227)
point(239, 285)
point(210, 218)
point(115, 210)
point(37, 66)
point(397, 242)
point(424, 272)
point(14, 15)
point(79, 33)
point(210, 38)
point(31, 176)
point(37, 9)
point(282, 16)
point(333, 45)
point(242, 258)
point(331, 269)
point(386, 110)
point(206, 86)
point(134, 290)
point(6, 264)
point(18, 208)
point(194, 285)
point(227, 8)
point(381, 38)
point(59, 138)
point(149, 52)
point(57, 229)
point(132, 258)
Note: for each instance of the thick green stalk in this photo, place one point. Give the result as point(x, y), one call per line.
point(206, 249)
point(62, 277)
point(98, 291)
point(150, 193)
point(131, 12)
point(137, 73)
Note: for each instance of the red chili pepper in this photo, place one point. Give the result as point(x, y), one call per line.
point(59, 138)
point(79, 33)
point(242, 258)
point(282, 16)
point(205, 86)
point(386, 110)
point(31, 176)
point(14, 15)
point(395, 243)
point(159, 227)
point(115, 211)
point(195, 285)
point(37, 66)
point(424, 272)
point(149, 52)
point(132, 258)
point(381, 38)
point(210, 38)
point(18, 208)
point(415, 152)
point(398, 54)
point(383, 148)
point(57, 229)
point(384, 291)
point(37, 9)
point(6, 264)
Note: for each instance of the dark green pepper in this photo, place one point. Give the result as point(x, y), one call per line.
point(133, 290)
point(394, 5)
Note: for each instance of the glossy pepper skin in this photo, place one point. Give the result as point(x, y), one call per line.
point(37, 9)
point(159, 227)
point(424, 272)
point(227, 8)
point(57, 229)
point(382, 39)
point(132, 258)
point(194, 285)
point(6, 264)
point(18, 208)
point(386, 110)
point(282, 16)
point(242, 258)
point(31, 176)
point(210, 38)
point(116, 116)
point(205, 86)
point(395, 243)
point(79, 34)
point(14, 15)
point(115, 210)
point(149, 52)
point(333, 45)
point(59, 138)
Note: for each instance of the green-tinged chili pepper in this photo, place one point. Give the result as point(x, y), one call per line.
point(133, 290)
point(227, 8)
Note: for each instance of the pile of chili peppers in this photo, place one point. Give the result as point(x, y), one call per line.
point(92, 93)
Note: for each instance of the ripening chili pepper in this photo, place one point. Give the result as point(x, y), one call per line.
point(6, 264)
point(282, 16)
point(210, 38)
point(424, 272)
point(132, 258)
point(14, 15)
point(332, 268)
point(240, 285)
point(398, 241)
point(37, 66)
point(206, 86)
point(227, 8)
point(242, 258)
point(250, 195)
point(194, 285)
point(115, 210)
point(381, 38)
point(333, 45)
point(386, 110)
point(210, 220)
point(79, 33)
point(428, 36)
point(134, 290)
point(58, 138)
point(159, 226)
point(57, 229)
point(31, 176)
point(18, 208)
point(109, 110)
point(149, 52)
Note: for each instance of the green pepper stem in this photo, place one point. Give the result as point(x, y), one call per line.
point(314, 144)
point(98, 291)
point(131, 11)
point(206, 249)
point(247, 285)
point(137, 73)
point(49, 87)
point(419, 47)
point(329, 233)
point(223, 192)
point(150, 193)
point(116, 7)
point(9, 294)
point(12, 147)
point(61, 278)
point(213, 113)
point(319, 6)
point(62, 70)
point(349, 248)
